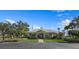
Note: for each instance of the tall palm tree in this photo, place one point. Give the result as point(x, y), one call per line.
point(18, 29)
point(74, 26)
point(58, 30)
point(3, 29)
point(22, 28)
point(12, 30)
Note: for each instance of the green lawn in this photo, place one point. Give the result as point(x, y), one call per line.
point(28, 40)
point(54, 40)
point(35, 40)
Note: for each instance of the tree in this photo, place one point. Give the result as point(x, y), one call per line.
point(22, 28)
point(18, 29)
point(3, 29)
point(74, 26)
point(12, 30)
point(58, 30)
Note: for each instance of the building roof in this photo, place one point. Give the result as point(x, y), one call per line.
point(45, 30)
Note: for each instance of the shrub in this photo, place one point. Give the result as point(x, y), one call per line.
point(73, 32)
point(71, 39)
point(10, 41)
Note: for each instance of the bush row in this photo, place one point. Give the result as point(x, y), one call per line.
point(71, 39)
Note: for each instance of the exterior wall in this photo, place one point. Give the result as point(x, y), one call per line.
point(76, 28)
point(41, 35)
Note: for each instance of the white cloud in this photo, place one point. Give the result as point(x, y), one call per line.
point(60, 15)
point(59, 11)
point(66, 22)
point(10, 20)
point(35, 27)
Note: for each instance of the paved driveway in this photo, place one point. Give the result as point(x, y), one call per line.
point(29, 45)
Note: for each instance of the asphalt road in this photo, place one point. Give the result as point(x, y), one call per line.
point(30, 45)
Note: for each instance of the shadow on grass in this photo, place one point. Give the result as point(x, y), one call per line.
point(8, 41)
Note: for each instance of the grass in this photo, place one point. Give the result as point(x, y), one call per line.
point(46, 40)
point(54, 40)
point(27, 40)
point(34, 40)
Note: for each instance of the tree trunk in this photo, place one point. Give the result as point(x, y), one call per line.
point(3, 35)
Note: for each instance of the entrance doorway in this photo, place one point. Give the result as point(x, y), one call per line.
point(40, 36)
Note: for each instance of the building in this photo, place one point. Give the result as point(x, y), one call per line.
point(42, 33)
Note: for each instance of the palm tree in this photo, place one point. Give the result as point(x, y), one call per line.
point(18, 29)
point(22, 28)
point(58, 35)
point(3, 29)
point(73, 24)
point(12, 30)
point(58, 30)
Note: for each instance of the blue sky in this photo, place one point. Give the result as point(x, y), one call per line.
point(48, 19)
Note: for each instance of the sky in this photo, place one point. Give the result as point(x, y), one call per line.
point(47, 19)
